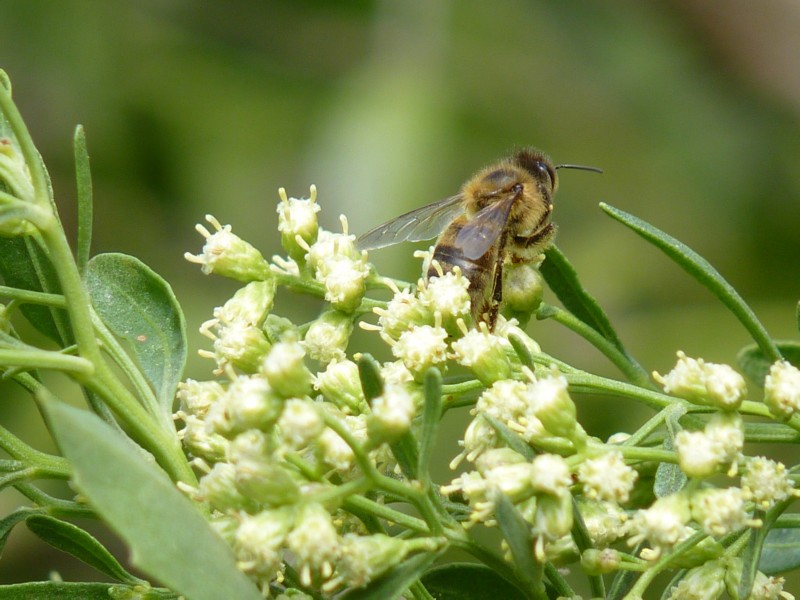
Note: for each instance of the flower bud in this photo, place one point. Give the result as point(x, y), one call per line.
point(300, 423)
point(340, 383)
point(218, 489)
point(314, 542)
point(719, 511)
point(251, 404)
point(286, 371)
point(265, 482)
point(599, 562)
point(782, 389)
point(522, 288)
point(259, 539)
point(421, 347)
point(226, 254)
point(297, 217)
point(328, 336)
point(704, 383)
point(552, 405)
point(448, 297)
point(484, 354)
point(366, 557)
point(392, 413)
point(706, 581)
point(403, 312)
point(250, 304)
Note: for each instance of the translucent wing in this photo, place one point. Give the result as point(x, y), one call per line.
point(422, 223)
point(483, 229)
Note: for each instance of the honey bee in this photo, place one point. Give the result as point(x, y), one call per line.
point(501, 215)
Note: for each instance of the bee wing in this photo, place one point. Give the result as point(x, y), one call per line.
point(483, 229)
point(422, 223)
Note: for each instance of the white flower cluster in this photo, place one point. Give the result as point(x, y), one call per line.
point(704, 383)
point(300, 424)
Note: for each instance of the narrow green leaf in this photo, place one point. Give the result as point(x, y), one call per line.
point(562, 278)
point(781, 551)
point(140, 308)
point(168, 537)
point(396, 581)
point(469, 581)
point(55, 590)
point(509, 438)
point(79, 543)
point(8, 522)
point(755, 364)
point(83, 179)
point(751, 557)
point(699, 268)
point(669, 477)
point(431, 416)
point(370, 373)
point(517, 534)
point(25, 265)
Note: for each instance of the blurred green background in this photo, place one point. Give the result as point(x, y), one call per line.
point(691, 108)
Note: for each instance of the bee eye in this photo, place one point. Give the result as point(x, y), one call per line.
point(545, 173)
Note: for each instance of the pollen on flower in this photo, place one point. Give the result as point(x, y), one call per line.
point(782, 389)
point(607, 477)
point(447, 295)
point(402, 312)
point(421, 347)
point(720, 511)
point(699, 455)
point(664, 524)
point(766, 482)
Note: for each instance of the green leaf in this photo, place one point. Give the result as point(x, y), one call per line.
point(64, 590)
point(699, 268)
point(8, 522)
point(517, 534)
point(370, 373)
point(139, 307)
point(83, 179)
point(168, 537)
point(562, 278)
point(392, 584)
point(75, 541)
point(468, 581)
point(55, 590)
point(509, 438)
point(755, 364)
point(781, 551)
point(669, 477)
point(26, 266)
point(431, 416)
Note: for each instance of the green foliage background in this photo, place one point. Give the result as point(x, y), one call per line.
point(200, 107)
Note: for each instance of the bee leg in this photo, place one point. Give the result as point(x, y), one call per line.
point(497, 286)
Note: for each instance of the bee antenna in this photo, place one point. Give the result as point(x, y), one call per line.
point(581, 167)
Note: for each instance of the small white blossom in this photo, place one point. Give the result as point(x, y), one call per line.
point(330, 247)
point(484, 354)
point(604, 521)
point(701, 583)
point(259, 539)
point(340, 383)
point(226, 254)
point(720, 511)
point(297, 217)
point(239, 344)
point(396, 372)
point(766, 482)
point(366, 557)
point(506, 400)
point(392, 413)
point(550, 402)
point(704, 383)
point(250, 304)
point(197, 396)
point(447, 296)
point(782, 389)
point(421, 347)
point(402, 312)
point(345, 281)
point(299, 423)
point(664, 524)
point(199, 441)
point(607, 477)
point(218, 489)
point(478, 438)
point(327, 337)
point(250, 404)
point(699, 455)
point(315, 542)
point(550, 475)
point(285, 369)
